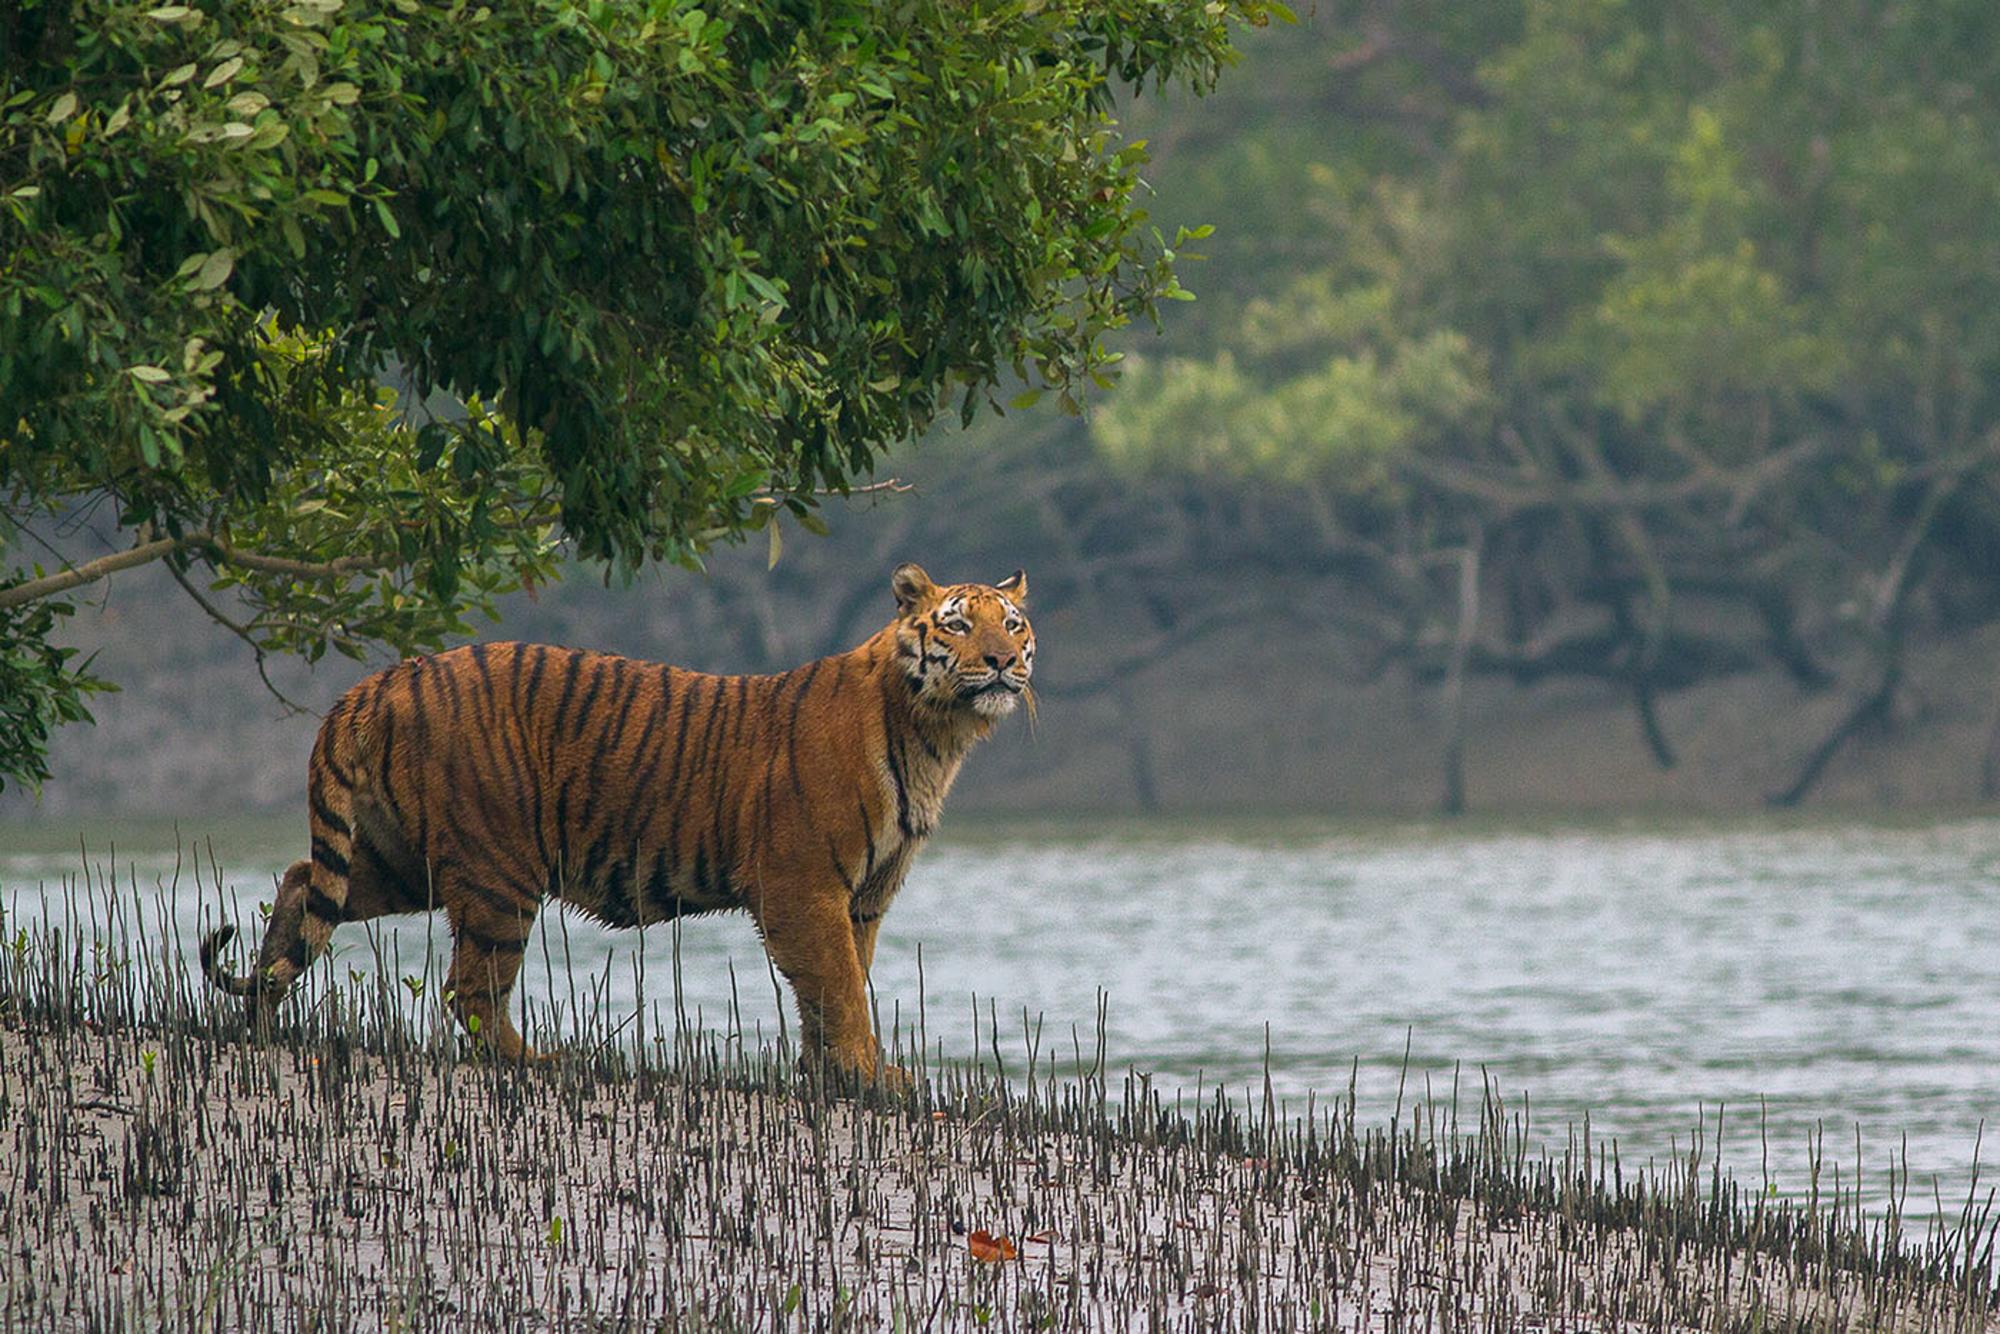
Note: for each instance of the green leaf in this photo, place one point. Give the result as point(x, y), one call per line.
point(215, 270)
point(150, 374)
point(223, 73)
point(764, 287)
point(388, 219)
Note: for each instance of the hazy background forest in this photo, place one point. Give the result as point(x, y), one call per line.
point(1587, 405)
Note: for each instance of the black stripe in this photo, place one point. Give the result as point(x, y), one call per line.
point(839, 867)
point(491, 944)
point(863, 918)
point(489, 711)
point(643, 779)
point(414, 670)
point(323, 906)
point(792, 736)
point(327, 745)
point(324, 855)
point(523, 778)
point(627, 686)
point(615, 904)
point(713, 770)
point(568, 690)
point(718, 713)
point(490, 854)
point(868, 832)
point(599, 670)
point(454, 691)
point(326, 813)
point(677, 778)
point(324, 745)
point(891, 753)
point(722, 854)
point(593, 860)
point(660, 885)
point(534, 682)
point(505, 902)
point(738, 711)
point(605, 751)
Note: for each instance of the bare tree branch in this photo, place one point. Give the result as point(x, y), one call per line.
point(155, 548)
point(34, 590)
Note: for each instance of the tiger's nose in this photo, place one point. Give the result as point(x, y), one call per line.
point(999, 663)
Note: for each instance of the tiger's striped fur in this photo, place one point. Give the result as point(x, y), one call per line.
point(485, 780)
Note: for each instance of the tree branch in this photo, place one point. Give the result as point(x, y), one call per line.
point(34, 590)
point(48, 586)
point(221, 551)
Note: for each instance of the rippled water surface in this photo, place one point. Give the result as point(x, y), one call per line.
point(1838, 977)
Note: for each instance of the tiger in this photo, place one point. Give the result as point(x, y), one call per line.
point(489, 779)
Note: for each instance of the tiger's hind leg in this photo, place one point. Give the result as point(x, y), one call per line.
point(302, 921)
point(284, 941)
point(490, 936)
point(311, 901)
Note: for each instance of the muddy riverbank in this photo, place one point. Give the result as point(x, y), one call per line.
point(164, 1177)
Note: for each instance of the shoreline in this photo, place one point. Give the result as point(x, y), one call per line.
point(163, 1172)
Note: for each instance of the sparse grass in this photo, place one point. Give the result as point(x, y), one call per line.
point(356, 1170)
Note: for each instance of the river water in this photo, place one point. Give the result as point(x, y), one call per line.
point(1810, 980)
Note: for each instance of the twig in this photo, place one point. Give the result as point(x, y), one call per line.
point(242, 633)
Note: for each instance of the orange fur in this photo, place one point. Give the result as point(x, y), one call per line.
point(485, 780)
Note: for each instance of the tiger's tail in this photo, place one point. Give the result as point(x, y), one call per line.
point(220, 977)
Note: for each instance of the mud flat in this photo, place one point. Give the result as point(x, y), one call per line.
point(156, 1180)
point(159, 1170)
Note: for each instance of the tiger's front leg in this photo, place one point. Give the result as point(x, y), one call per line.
point(813, 944)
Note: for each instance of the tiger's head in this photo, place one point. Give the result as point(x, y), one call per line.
point(964, 646)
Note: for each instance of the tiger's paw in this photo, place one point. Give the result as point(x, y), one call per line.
point(894, 1078)
point(845, 1078)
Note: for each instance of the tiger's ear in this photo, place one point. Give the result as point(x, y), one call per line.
point(910, 585)
point(1015, 585)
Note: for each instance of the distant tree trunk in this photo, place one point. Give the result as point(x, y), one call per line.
point(1892, 603)
point(1454, 678)
point(1873, 708)
point(1139, 748)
